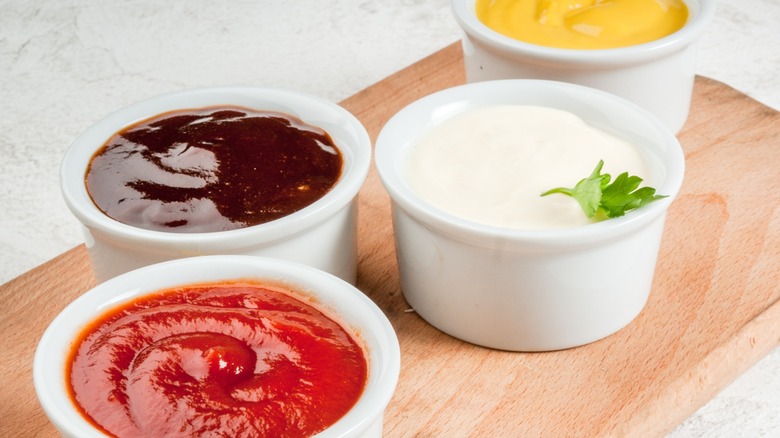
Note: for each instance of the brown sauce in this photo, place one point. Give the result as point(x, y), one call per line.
point(212, 169)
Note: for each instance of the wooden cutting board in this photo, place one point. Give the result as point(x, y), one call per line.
point(713, 312)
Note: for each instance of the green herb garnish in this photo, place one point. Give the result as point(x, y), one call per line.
point(598, 197)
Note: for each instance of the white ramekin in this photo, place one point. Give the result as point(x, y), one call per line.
point(323, 235)
point(527, 290)
point(338, 297)
point(657, 75)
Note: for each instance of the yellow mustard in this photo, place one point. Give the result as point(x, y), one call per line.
point(583, 24)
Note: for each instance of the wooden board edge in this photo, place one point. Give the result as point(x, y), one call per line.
point(720, 367)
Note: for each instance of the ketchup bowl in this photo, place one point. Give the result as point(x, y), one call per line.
point(55, 363)
point(320, 232)
point(522, 288)
point(657, 75)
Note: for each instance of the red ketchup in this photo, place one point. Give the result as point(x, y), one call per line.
point(228, 359)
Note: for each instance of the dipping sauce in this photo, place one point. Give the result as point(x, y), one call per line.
point(212, 169)
point(227, 359)
point(490, 165)
point(583, 24)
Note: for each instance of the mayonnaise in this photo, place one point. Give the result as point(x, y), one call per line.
point(583, 24)
point(490, 165)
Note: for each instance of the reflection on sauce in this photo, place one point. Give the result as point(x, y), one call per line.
point(230, 359)
point(212, 169)
point(583, 24)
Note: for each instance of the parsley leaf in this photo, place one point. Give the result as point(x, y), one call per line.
point(596, 195)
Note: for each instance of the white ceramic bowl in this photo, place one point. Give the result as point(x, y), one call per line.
point(348, 304)
point(527, 290)
point(657, 75)
point(323, 235)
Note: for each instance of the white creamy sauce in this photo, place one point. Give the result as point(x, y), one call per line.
point(490, 165)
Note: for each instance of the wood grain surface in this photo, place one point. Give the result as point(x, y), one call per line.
point(714, 309)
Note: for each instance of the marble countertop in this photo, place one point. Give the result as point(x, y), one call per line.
point(66, 64)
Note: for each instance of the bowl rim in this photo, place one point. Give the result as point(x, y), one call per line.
point(335, 296)
point(413, 120)
point(701, 14)
point(353, 142)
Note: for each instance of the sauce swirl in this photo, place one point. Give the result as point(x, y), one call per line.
point(212, 169)
point(233, 359)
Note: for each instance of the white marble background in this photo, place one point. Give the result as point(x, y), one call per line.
point(65, 64)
